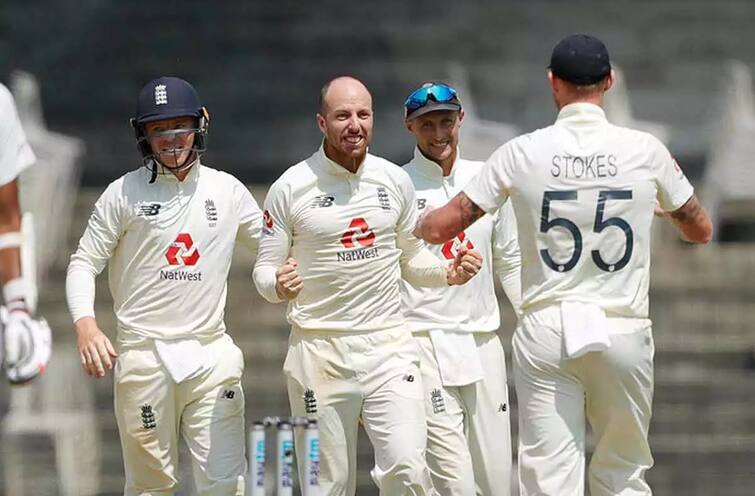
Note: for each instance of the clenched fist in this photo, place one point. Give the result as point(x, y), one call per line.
point(464, 267)
point(288, 283)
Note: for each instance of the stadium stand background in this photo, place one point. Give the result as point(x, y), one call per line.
point(259, 66)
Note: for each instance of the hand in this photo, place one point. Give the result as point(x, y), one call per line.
point(95, 349)
point(287, 280)
point(28, 344)
point(464, 267)
point(659, 212)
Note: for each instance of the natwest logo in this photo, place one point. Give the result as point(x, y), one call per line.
point(359, 235)
point(182, 251)
point(359, 231)
point(451, 247)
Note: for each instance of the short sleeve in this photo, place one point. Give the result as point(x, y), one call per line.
point(489, 189)
point(673, 187)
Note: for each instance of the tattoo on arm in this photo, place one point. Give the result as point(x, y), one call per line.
point(470, 212)
point(689, 211)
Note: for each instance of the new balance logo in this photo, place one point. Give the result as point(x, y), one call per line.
point(322, 201)
point(502, 408)
point(310, 402)
point(148, 417)
point(409, 378)
point(421, 203)
point(383, 198)
point(436, 399)
point(161, 95)
point(229, 394)
point(149, 210)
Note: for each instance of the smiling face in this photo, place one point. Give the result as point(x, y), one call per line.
point(437, 133)
point(171, 140)
point(345, 120)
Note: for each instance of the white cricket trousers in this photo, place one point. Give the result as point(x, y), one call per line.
point(612, 390)
point(468, 427)
point(208, 411)
point(341, 379)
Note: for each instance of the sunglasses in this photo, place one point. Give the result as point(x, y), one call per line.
point(441, 93)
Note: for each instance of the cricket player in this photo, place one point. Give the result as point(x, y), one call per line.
point(337, 239)
point(167, 233)
point(462, 361)
point(584, 193)
point(25, 343)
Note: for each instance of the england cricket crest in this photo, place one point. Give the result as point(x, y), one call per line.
point(148, 417)
point(161, 94)
point(211, 212)
point(310, 402)
point(436, 400)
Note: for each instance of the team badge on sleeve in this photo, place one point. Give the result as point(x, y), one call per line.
point(267, 221)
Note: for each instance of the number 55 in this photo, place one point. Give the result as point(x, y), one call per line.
point(600, 224)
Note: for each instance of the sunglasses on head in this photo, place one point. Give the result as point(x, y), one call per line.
point(441, 93)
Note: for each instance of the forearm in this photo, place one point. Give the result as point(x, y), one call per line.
point(265, 281)
point(425, 270)
point(10, 265)
point(692, 221)
point(444, 223)
point(80, 289)
point(10, 233)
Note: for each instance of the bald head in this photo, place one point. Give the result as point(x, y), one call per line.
point(345, 119)
point(343, 89)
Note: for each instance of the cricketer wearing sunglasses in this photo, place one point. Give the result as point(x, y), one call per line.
point(584, 192)
point(462, 361)
point(337, 239)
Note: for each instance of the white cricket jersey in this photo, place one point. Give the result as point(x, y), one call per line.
point(15, 152)
point(472, 307)
point(348, 232)
point(168, 246)
point(584, 193)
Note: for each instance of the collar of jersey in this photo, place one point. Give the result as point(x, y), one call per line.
point(431, 169)
point(169, 177)
point(338, 169)
point(581, 112)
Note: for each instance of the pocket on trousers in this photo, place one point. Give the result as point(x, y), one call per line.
point(409, 383)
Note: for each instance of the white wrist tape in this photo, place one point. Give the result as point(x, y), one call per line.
point(11, 240)
point(16, 294)
point(24, 240)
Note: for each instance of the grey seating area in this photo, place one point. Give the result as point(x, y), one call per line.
point(259, 66)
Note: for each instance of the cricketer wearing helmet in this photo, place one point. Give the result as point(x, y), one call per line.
point(584, 192)
point(462, 361)
point(25, 343)
point(167, 232)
